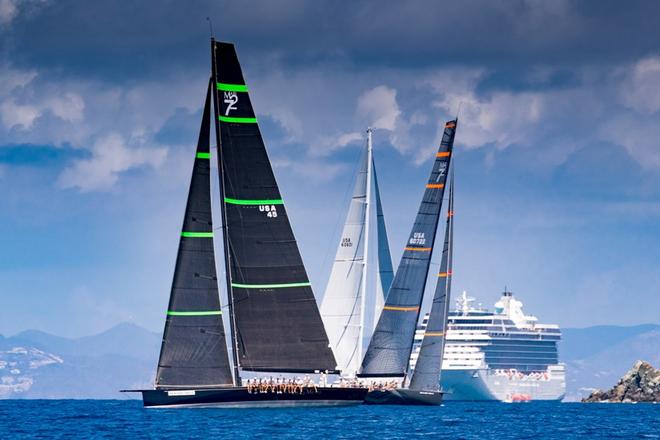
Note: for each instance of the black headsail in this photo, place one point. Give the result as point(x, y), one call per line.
point(391, 343)
point(277, 323)
point(194, 351)
point(427, 369)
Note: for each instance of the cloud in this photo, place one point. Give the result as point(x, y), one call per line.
point(27, 97)
point(111, 156)
point(641, 137)
point(502, 119)
point(640, 90)
point(289, 121)
point(378, 107)
point(68, 107)
point(326, 145)
point(349, 138)
point(80, 114)
point(8, 11)
point(13, 78)
point(312, 170)
point(17, 115)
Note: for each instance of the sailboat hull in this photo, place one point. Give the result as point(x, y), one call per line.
point(403, 397)
point(239, 397)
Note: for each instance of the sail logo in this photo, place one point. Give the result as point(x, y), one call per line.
point(270, 210)
point(346, 242)
point(417, 238)
point(231, 99)
point(442, 170)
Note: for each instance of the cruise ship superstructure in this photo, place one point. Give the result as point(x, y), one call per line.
point(502, 355)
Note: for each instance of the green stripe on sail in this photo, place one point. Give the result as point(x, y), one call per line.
point(231, 87)
point(270, 286)
point(254, 202)
point(237, 120)
point(197, 234)
point(203, 155)
point(200, 313)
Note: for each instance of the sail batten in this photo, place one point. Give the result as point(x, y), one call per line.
point(277, 325)
point(391, 343)
point(194, 351)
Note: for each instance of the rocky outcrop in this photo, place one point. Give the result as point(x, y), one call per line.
point(640, 384)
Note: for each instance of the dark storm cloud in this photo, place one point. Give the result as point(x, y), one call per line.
point(125, 39)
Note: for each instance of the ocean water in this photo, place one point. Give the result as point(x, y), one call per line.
point(127, 419)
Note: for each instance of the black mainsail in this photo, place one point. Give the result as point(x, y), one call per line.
point(276, 321)
point(389, 350)
point(429, 362)
point(194, 351)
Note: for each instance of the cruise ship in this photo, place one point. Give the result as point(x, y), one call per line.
point(503, 355)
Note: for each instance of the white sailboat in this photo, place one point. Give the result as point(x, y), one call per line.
point(353, 297)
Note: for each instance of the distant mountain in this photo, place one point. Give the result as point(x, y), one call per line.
point(35, 364)
point(596, 357)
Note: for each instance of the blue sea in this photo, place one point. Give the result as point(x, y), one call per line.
point(127, 419)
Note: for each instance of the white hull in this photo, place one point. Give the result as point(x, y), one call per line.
point(484, 384)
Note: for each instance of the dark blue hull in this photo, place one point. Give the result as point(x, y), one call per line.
point(239, 397)
point(403, 397)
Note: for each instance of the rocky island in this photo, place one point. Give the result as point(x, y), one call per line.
point(640, 384)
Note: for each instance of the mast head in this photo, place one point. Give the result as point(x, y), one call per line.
point(211, 29)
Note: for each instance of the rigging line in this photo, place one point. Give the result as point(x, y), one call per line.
point(355, 348)
point(349, 318)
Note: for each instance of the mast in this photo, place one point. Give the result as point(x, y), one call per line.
point(223, 210)
point(365, 261)
point(426, 375)
point(389, 350)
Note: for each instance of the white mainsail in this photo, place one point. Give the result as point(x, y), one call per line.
point(350, 306)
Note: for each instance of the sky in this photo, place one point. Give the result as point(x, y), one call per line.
point(557, 154)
